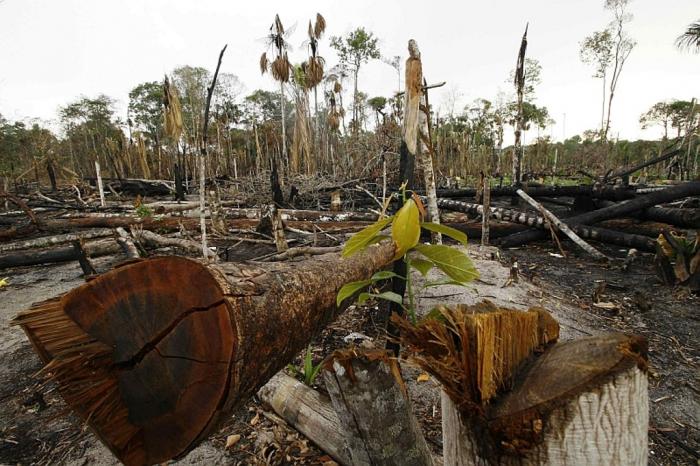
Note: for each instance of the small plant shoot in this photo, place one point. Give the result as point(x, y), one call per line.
point(406, 227)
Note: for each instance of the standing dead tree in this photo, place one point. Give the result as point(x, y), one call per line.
point(203, 157)
point(519, 82)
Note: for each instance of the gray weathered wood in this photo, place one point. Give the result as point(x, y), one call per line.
point(372, 404)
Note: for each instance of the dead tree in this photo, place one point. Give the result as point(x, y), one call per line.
point(519, 81)
point(155, 354)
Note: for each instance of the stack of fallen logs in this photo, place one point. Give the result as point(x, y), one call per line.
point(631, 217)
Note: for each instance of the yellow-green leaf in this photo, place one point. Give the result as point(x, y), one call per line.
point(405, 230)
point(447, 231)
point(350, 289)
point(422, 265)
point(453, 262)
point(364, 237)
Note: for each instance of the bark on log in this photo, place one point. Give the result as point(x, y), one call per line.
point(153, 368)
point(54, 240)
point(691, 188)
point(309, 412)
point(370, 398)
point(59, 254)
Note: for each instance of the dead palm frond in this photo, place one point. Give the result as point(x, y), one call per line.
point(690, 39)
point(319, 26)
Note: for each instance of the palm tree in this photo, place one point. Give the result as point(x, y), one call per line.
point(690, 39)
point(279, 66)
point(314, 65)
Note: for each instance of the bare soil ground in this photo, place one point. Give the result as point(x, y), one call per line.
point(33, 430)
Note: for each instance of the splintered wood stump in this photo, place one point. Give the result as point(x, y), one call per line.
point(153, 354)
point(583, 402)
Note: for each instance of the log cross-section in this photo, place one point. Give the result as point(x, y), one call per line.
point(155, 353)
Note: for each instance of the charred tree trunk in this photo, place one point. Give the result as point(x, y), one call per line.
point(691, 188)
point(153, 368)
point(604, 235)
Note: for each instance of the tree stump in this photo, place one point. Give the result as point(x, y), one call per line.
point(583, 402)
point(153, 354)
point(370, 398)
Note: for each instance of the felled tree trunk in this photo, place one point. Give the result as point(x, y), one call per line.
point(603, 235)
point(57, 254)
point(370, 398)
point(691, 188)
point(154, 354)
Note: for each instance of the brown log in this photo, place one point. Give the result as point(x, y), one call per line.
point(153, 368)
point(370, 398)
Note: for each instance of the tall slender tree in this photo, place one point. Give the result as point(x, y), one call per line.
point(354, 50)
point(622, 47)
point(597, 50)
point(278, 65)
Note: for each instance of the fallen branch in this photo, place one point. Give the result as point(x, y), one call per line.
point(562, 226)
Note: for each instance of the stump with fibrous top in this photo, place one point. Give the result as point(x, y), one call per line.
point(154, 354)
point(517, 397)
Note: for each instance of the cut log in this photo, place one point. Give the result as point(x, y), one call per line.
point(141, 187)
point(691, 188)
point(309, 412)
point(370, 398)
point(127, 244)
point(58, 254)
point(162, 241)
point(54, 240)
point(156, 353)
point(562, 226)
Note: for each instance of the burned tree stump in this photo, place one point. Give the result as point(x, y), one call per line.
point(153, 354)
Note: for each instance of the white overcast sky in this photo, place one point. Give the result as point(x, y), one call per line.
point(52, 51)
